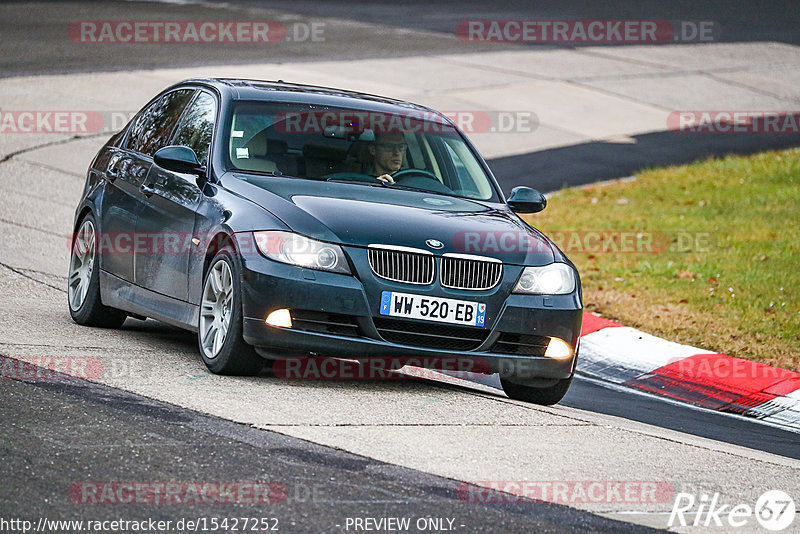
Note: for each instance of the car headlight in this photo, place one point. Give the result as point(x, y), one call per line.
point(553, 279)
point(295, 249)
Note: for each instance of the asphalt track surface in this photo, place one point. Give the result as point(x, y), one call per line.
point(61, 433)
point(55, 433)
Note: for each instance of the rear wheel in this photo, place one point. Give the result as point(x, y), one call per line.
point(545, 394)
point(219, 333)
point(83, 286)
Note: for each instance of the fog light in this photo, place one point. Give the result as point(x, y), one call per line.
point(558, 348)
point(283, 319)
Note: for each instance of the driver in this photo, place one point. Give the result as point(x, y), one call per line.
point(388, 151)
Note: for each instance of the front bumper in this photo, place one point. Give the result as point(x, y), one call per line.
point(268, 285)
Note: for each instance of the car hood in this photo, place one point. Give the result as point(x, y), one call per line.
point(362, 215)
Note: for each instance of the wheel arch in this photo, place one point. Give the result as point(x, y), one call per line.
point(84, 211)
point(218, 241)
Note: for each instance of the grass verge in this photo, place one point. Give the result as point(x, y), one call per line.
point(706, 254)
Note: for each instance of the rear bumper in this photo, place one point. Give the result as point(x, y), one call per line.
point(269, 285)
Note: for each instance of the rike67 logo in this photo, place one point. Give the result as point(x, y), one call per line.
point(774, 510)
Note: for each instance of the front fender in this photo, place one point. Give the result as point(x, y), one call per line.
point(222, 215)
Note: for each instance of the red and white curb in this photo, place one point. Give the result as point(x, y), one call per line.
point(629, 357)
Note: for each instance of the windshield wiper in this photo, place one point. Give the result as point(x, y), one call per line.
point(277, 174)
point(377, 183)
point(422, 189)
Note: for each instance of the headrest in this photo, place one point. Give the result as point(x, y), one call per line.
point(259, 145)
point(324, 152)
point(276, 146)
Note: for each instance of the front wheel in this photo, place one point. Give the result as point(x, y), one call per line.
point(546, 395)
point(219, 332)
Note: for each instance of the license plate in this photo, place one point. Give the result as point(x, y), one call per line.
point(433, 309)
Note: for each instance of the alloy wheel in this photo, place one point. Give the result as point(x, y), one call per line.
point(81, 265)
point(216, 309)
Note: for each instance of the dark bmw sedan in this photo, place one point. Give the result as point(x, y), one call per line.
point(284, 221)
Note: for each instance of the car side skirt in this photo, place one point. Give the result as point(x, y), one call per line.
point(123, 295)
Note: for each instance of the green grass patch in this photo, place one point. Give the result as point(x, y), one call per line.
point(722, 271)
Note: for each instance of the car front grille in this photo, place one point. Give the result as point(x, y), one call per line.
point(525, 344)
point(400, 264)
point(430, 335)
point(414, 266)
point(470, 272)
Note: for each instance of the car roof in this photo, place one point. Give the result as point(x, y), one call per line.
point(281, 91)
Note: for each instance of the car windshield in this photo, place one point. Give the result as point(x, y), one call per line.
point(418, 149)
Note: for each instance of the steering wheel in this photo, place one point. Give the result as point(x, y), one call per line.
point(422, 180)
point(407, 173)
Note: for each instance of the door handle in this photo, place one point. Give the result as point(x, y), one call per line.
point(148, 190)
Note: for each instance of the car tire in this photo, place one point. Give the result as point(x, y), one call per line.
point(220, 323)
point(547, 395)
point(83, 282)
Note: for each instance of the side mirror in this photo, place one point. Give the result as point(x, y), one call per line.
point(178, 159)
point(526, 200)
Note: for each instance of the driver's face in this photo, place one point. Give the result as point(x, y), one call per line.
point(388, 151)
